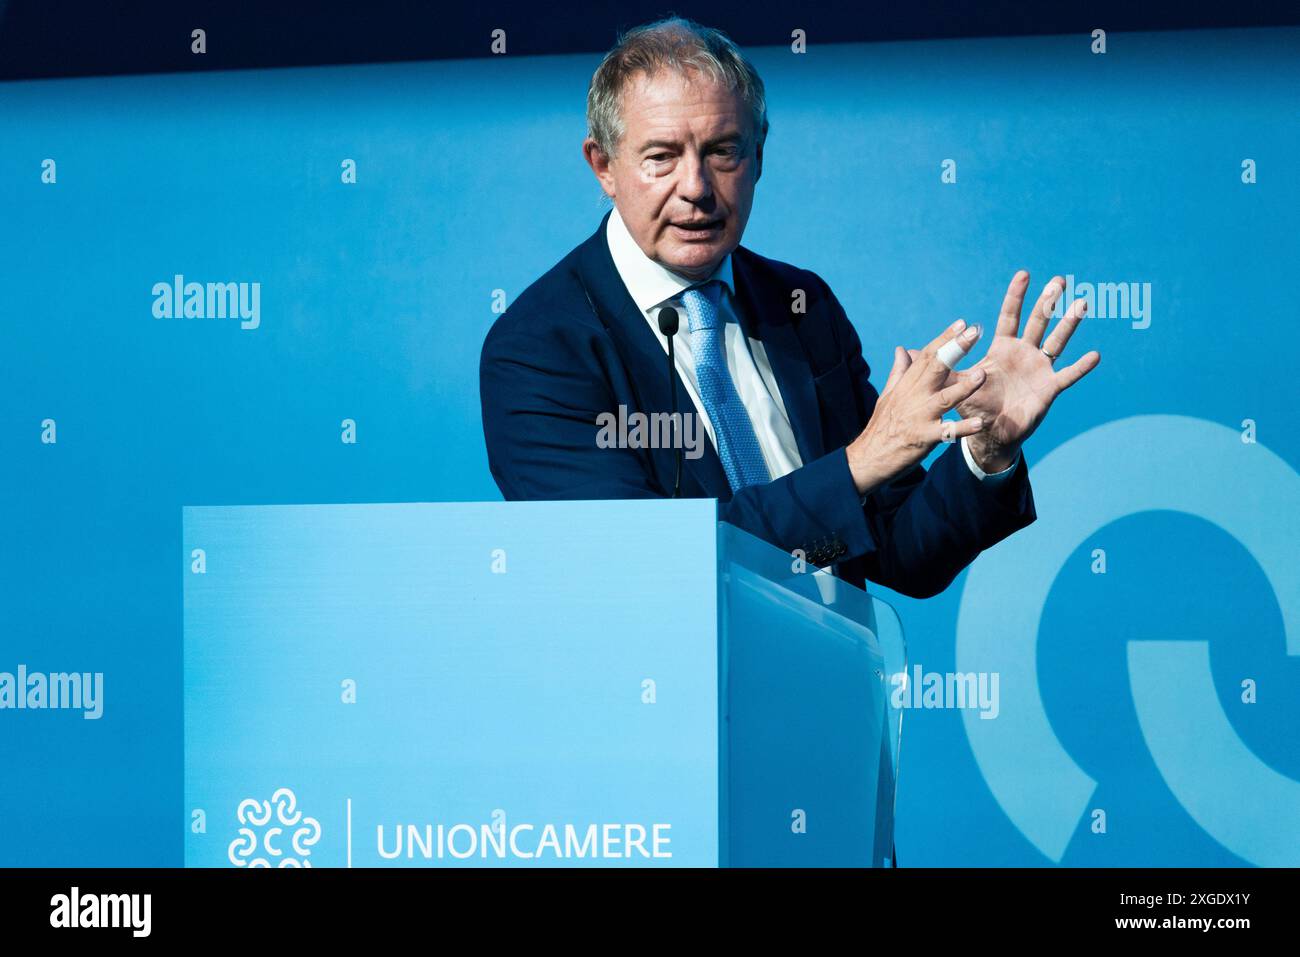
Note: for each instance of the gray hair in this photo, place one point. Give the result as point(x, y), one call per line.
point(676, 44)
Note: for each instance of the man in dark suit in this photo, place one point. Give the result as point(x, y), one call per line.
point(802, 451)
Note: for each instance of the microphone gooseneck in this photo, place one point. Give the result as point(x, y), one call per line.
point(668, 325)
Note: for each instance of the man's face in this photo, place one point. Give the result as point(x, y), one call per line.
point(683, 175)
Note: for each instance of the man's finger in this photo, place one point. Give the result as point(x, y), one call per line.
point(901, 361)
point(966, 385)
point(1009, 316)
point(954, 350)
point(916, 354)
point(935, 369)
point(1060, 337)
point(950, 430)
point(933, 345)
point(1041, 314)
point(1073, 373)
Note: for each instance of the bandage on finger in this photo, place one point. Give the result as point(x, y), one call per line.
point(950, 430)
point(955, 349)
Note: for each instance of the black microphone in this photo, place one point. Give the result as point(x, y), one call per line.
point(668, 323)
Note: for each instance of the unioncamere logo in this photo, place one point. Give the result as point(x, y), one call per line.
point(270, 830)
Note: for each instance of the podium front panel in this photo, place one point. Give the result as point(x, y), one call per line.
point(451, 684)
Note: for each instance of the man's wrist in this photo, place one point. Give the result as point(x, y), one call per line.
point(980, 469)
point(987, 458)
point(861, 467)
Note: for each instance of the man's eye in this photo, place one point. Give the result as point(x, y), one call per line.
point(658, 158)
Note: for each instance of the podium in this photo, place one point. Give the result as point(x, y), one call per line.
point(553, 684)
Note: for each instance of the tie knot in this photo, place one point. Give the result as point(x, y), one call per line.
point(710, 289)
point(701, 304)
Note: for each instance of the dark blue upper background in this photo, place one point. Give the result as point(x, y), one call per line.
point(49, 38)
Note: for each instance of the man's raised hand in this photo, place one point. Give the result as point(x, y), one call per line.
point(908, 421)
point(1021, 383)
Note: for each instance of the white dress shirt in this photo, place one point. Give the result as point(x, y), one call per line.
point(653, 286)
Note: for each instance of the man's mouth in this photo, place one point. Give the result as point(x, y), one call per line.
point(698, 229)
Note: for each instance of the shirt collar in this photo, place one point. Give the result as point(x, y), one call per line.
point(650, 283)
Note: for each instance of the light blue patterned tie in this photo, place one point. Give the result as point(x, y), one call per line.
point(738, 447)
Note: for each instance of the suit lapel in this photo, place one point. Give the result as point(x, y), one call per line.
point(646, 361)
point(767, 307)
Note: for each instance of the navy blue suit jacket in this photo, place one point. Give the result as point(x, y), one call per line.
point(574, 345)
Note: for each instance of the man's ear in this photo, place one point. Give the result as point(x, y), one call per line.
point(600, 165)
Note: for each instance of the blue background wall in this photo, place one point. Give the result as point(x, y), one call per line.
point(1123, 167)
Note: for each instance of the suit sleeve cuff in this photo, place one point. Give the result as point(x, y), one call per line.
point(989, 478)
point(847, 534)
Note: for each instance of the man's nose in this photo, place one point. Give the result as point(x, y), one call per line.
point(695, 183)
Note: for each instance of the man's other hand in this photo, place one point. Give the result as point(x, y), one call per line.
point(1021, 384)
point(908, 418)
